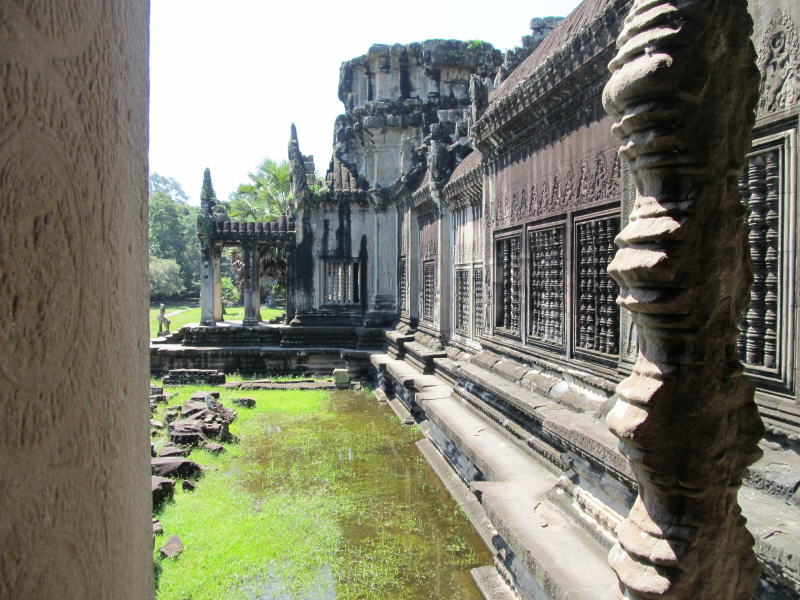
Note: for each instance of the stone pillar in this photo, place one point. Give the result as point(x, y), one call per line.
point(445, 273)
point(216, 256)
point(682, 89)
point(206, 284)
point(74, 455)
point(252, 287)
point(290, 284)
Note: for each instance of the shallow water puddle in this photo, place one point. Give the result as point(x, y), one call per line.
point(327, 499)
point(402, 535)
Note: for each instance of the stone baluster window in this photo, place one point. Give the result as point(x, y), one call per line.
point(765, 188)
point(597, 314)
point(428, 289)
point(759, 190)
point(402, 284)
point(546, 285)
point(341, 281)
point(477, 291)
point(508, 264)
point(462, 301)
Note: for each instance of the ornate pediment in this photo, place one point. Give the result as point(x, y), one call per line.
point(779, 63)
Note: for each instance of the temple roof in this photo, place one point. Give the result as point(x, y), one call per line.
point(472, 161)
point(465, 184)
point(581, 38)
point(583, 14)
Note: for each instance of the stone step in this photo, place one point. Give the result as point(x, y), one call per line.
point(490, 585)
point(559, 425)
point(775, 525)
point(422, 355)
point(547, 542)
point(515, 495)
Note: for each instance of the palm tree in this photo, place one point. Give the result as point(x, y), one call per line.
point(266, 196)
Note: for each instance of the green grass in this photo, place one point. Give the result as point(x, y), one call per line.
point(324, 494)
point(230, 536)
point(192, 315)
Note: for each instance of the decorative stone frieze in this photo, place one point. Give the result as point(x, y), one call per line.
point(683, 89)
point(595, 178)
point(779, 63)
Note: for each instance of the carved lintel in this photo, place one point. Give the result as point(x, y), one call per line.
point(682, 91)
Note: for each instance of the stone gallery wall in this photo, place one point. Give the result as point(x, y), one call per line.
point(485, 192)
point(75, 502)
point(768, 186)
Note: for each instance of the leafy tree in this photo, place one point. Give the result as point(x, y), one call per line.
point(230, 295)
point(266, 196)
point(165, 278)
point(173, 236)
point(168, 186)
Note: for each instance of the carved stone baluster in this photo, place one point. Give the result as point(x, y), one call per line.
point(515, 267)
point(682, 91)
point(403, 284)
point(756, 223)
point(551, 322)
point(477, 283)
point(771, 264)
point(506, 244)
point(583, 276)
point(744, 195)
point(600, 284)
point(549, 281)
point(533, 297)
point(612, 312)
point(591, 290)
point(559, 286)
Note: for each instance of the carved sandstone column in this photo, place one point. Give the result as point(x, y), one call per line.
point(217, 274)
point(683, 88)
point(252, 287)
point(75, 502)
point(206, 283)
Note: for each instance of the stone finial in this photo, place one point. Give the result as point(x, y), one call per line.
point(208, 198)
point(297, 167)
point(682, 91)
point(479, 97)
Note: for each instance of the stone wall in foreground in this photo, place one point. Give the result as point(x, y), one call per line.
point(75, 502)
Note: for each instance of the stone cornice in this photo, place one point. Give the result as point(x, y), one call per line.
point(465, 189)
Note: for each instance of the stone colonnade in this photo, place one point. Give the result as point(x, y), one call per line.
point(211, 285)
point(251, 237)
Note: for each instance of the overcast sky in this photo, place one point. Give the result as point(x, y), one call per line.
point(228, 78)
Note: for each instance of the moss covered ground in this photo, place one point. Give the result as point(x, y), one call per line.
point(324, 496)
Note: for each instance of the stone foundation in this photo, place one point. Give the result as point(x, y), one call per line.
point(530, 444)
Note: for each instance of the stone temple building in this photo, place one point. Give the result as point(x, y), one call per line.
point(573, 264)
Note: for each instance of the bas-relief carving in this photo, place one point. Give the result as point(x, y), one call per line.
point(73, 222)
point(779, 63)
point(592, 179)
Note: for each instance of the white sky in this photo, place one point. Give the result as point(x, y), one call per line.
point(228, 77)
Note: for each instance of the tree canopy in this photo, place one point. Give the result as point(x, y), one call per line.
point(168, 186)
point(266, 196)
point(173, 237)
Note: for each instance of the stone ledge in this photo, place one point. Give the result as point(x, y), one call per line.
point(557, 425)
point(774, 523)
point(515, 480)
